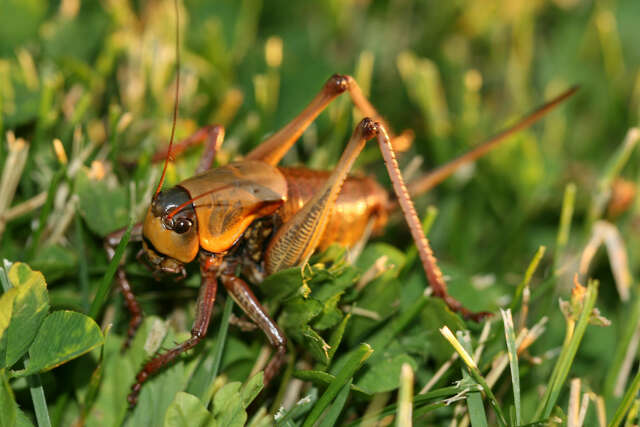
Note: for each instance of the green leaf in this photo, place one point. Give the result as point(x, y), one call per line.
point(282, 284)
point(22, 420)
point(63, 336)
point(316, 345)
point(298, 313)
point(55, 261)
point(252, 388)
point(103, 208)
point(8, 405)
point(22, 310)
point(374, 251)
point(327, 287)
point(186, 410)
point(384, 374)
point(336, 336)
point(110, 405)
point(94, 382)
point(379, 297)
point(435, 315)
point(19, 23)
point(228, 406)
point(330, 315)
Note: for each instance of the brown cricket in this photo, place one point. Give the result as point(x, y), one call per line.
point(255, 217)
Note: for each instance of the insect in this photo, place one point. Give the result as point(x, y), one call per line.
point(255, 217)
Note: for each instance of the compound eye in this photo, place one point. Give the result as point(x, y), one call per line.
point(182, 225)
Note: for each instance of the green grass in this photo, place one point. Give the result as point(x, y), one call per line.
point(100, 77)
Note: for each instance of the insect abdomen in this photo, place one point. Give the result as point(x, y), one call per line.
point(361, 200)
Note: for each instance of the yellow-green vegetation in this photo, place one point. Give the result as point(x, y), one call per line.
point(545, 227)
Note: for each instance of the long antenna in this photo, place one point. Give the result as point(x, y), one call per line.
point(175, 104)
point(434, 177)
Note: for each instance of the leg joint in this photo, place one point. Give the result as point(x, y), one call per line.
point(369, 128)
point(338, 83)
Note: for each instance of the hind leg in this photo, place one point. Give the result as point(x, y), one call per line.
point(296, 240)
point(275, 147)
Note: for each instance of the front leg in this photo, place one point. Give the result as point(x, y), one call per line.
point(204, 308)
point(212, 134)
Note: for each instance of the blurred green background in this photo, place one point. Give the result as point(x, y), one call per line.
point(100, 76)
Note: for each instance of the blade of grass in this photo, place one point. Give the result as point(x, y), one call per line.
point(388, 332)
point(632, 414)
point(333, 412)
point(533, 266)
point(627, 401)
point(419, 401)
point(83, 269)
point(615, 374)
point(475, 373)
point(475, 406)
point(512, 349)
point(4, 279)
point(405, 397)
point(575, 332)
point(221, 339)
point(352, 364)
point(616, 162)
point(46, 211)
point(107, 279)
point(566, 215)
point(37, 396)
point(284, 418)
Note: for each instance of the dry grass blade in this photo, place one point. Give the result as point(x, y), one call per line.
point(607, 233)
point(12, 171)
point(573, 413)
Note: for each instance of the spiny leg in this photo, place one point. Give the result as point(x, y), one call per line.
point(244, 297)
point(433, 272)
point(275, 147)
point(213, 134)
point(296, 240)
point(110, 243)
point(204, 308)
